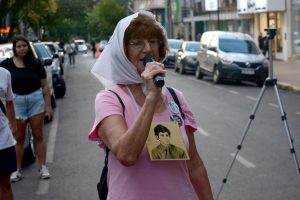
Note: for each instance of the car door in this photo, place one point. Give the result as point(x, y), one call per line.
point(212, 54)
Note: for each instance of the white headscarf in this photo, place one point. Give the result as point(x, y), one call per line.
point(113, 67)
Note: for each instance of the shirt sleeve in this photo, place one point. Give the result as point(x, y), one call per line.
point(189, 119)
point(9, 92)
point(106, 104)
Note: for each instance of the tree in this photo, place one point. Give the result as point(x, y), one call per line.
point(105, 16)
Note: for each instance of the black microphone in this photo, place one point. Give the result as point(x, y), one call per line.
point(158, 79)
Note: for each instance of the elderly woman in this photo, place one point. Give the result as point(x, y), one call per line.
point(121, 68)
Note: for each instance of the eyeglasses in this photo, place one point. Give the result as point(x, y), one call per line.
point(140, 44)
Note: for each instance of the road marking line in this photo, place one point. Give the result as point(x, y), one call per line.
point(251, 98)
point(44, 185)
point(298, 113)
point(273, 105)
point(52, 136)
point(233, 92)
point(243, 161)
point(203, 132)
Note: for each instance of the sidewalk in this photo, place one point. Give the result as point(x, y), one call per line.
point(287, 74)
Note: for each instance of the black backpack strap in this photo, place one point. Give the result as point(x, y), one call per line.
point(175, 98)
point(121, 102)
point(2, 107)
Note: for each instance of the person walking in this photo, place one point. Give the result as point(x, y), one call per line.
point(8, 126)
point(32, 102)
point(70, 50)
point(94, 48)
point(132, 175)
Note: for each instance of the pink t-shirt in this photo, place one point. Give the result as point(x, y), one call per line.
point(146, 179)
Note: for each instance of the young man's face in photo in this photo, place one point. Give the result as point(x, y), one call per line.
point(164, 138)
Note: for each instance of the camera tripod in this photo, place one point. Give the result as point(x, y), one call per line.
point(269, 82)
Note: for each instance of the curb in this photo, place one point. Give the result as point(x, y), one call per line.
point(288, 87)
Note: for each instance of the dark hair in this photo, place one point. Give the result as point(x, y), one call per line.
point(29, 60)
point(161, 129)
point(143, 26)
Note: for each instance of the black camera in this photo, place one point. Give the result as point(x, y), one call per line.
point(271, 32)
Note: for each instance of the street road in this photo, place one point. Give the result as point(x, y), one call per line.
point(264, 168)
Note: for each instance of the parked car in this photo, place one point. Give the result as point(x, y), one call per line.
point(81, 46)
point(231, 55)
point(102, 45)
point(6, 51)
point(186, 57)
point(44, 56)
point(174, 45)
point(58, 81)
point(58, 55)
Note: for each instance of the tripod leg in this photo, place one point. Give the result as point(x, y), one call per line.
point(287, 130)
point(239, 147)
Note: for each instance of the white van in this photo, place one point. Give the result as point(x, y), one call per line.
point(231, 56)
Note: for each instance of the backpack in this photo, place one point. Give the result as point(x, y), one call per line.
point(102, 184)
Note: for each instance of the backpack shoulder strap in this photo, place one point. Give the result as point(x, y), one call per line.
point(2, 107)
point(120, 100)
point(175, 98)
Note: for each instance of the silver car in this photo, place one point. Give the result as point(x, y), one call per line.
point(231, 56)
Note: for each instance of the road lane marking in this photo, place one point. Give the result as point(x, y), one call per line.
point(44, 185)
point(52, 136)
point(251, 98)
point(243, 161)
point(203, 132)
point(273, 105)
point(233, 92)
point(298, 113)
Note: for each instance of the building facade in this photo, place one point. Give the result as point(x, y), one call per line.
point(188, 19)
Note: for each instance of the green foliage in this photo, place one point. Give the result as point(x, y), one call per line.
point(102, 21)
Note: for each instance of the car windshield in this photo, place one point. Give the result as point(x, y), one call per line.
point(238, 46)
point(193, 47)
point(174, 44)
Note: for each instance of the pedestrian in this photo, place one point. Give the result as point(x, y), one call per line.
point(70, 50)
point(131, 173)
point(31, 101)
point(94, 48)
point(8, 126)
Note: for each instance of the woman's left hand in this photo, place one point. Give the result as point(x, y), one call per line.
point(151, 70)
point(48, 112)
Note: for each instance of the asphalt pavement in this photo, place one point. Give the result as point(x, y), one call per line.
point(287, 74)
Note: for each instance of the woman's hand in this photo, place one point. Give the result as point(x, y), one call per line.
point(151, 70)
point(48, 112)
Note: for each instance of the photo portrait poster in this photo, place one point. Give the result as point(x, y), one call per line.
point(165, 142)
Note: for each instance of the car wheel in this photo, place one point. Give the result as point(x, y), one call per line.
point(60, 89)
point(198, 73)
point(216, 76)
point(181, 68)
point(176, 67)
point(53, 101)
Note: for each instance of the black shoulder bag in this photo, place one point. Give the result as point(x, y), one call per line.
point(102, 184)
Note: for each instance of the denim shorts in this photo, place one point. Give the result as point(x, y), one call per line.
point(29, 105)
point(8, 161)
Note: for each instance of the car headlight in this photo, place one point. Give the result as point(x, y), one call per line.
point(225, 61)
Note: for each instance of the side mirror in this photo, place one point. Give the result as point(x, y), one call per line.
point(55, 55)
point(47, 61)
